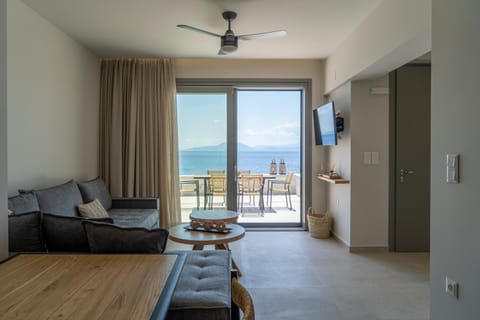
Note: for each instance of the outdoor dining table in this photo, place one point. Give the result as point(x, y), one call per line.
point(206, 177)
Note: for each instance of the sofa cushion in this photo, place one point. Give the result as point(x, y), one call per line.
point(92, 209)
point(107, 238)
point(140, 218)
point(95, 189)
point(60, 200)
point(23, 203)
point(66, 234)
point(203, 289)
point(25, 233)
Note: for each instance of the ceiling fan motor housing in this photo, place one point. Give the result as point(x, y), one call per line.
point(229, 43)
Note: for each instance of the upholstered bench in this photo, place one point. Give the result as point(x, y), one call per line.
point(203, 290)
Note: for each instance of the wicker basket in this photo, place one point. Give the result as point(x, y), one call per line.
point(319, 224)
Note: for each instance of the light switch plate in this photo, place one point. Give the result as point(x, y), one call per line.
point(367, 158)
point(452, 168)
point(451, 287)
point(375, 157)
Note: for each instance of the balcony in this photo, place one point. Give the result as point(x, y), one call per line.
point(279, 212)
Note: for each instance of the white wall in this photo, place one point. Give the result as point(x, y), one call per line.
point(53, 96)
point(339, 160)
point(360, 209)
point(455, 218)
point(267, 69)
point(3, 131)
point(394, 33)
point(369, 184)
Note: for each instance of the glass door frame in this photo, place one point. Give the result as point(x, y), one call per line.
point(230, 87)
point(230, 170)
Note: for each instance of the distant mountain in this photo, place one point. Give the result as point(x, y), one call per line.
point(245, 148)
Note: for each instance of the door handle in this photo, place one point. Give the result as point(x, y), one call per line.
point(403, 173)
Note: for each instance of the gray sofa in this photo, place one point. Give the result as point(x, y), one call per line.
point(62, 200)
point(48, 220)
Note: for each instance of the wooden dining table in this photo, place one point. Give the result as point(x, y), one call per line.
point(88, 286)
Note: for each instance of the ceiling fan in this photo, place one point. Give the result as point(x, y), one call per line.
point(229, 41)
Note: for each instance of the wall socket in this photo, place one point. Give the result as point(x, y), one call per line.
point(451, 287)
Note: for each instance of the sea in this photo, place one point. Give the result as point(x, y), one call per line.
point(198, 162)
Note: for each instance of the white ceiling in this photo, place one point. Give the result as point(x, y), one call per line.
point(147, 28)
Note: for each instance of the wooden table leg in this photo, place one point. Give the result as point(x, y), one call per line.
point(224, 246)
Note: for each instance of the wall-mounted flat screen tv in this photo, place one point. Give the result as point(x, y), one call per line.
point(325, 125)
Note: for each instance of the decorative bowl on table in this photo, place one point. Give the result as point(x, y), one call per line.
point(212, 220)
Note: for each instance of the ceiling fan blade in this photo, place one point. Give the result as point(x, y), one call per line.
point(263, 35)
point(187, 27)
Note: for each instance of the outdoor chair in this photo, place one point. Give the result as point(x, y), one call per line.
point(190, 186)
point(217, 186)
point(283, 188)
point(239, 173)
point(251, 185)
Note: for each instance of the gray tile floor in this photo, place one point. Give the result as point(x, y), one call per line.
point(293, 276)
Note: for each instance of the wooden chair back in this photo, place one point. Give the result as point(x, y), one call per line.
point(218, 184)
point(251, 183)
point(289, 178)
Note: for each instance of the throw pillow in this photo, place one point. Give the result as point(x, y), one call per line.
point(61, 200)
point(107, 238)
point(23, 203)
point(92, 209)
point(95, 189)
point(25, 233)
point(66, 234)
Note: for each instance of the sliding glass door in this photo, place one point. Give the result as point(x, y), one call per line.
point(202, 144)
point(241, 149)
point(269, 144)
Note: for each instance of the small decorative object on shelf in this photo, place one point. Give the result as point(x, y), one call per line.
point(282, 168)
point(273, 167)
point(331, 175)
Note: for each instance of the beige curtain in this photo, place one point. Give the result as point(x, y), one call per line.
point(138, 132)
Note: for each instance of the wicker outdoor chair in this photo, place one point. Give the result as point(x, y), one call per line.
point(243, 300)
point(283, 189)
point(217, 186)
point(251, 185)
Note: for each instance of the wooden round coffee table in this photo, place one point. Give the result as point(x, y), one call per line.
point(199, 239)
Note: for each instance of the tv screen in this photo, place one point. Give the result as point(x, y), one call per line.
point(325, 125)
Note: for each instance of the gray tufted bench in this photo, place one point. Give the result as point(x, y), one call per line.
point(203, 290)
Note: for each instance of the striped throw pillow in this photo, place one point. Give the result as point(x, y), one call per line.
point(92, 209)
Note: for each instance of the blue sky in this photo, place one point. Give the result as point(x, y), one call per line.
point(264, 118)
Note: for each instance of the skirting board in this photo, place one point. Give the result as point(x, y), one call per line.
point(340, 239)
point(367, 249)
point(359, 249)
